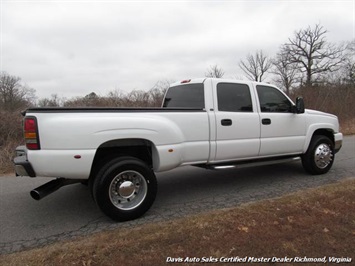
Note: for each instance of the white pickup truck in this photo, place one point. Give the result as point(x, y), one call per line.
point(211, 123)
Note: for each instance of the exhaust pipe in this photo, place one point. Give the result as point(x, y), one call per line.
point(51, 186)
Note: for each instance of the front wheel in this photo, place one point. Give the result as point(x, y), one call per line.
point(125, 188)
point(319, 157)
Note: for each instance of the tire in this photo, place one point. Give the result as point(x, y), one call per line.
point(125, 188)
point(320, 155)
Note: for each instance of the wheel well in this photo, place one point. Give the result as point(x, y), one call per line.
point(138, 148)
point(325, 132)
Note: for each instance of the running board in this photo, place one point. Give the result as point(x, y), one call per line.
point(243, 164)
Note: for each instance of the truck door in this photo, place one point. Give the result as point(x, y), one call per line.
point(282, 131)
point(237, 121)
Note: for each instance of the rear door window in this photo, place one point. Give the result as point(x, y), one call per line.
point(233, 97)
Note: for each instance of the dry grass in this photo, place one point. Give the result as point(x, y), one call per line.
point(347, 127)
point(7, 153)
point(10, 137)
point(313, 223)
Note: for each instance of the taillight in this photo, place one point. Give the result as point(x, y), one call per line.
point(31, 133)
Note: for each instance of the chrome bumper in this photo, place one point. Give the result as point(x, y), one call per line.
point(22, 166)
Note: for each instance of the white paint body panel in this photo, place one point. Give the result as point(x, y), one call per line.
point(64, 135)
point(194, 137)
point(240, 140)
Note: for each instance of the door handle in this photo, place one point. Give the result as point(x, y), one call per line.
point(226, 122)
point(266, 121)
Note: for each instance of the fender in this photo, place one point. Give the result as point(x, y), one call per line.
point(313, 128)
point(165, 136)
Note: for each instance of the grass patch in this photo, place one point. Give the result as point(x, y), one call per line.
point(314, 223)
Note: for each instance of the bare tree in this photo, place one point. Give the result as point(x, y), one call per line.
point(53, 101)
point(349, 64)
point(89, 100)
point(214, 72)
point(255, 66)
point(312, 54)
point(137, 98)
point(158, 91)
point(284, 70)
point(13, 94)
point(115, 98)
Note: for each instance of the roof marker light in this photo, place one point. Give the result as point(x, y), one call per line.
point(185, 81)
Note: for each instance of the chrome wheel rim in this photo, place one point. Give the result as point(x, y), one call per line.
point(128, 190)
point(323, 156)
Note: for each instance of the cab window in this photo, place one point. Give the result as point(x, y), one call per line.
point(272, 100)
point(185, 96)
point(233, 97)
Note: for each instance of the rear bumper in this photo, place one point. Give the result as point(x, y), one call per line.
point(22, 166)
point(338, 142)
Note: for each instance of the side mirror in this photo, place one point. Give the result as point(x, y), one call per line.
point(299, 105)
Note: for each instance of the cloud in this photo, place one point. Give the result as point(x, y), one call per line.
point(74, 48)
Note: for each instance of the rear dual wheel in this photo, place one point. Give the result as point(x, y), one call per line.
point(125, 188)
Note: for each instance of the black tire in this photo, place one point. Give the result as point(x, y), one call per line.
point(125, 188)
point(320, 155)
